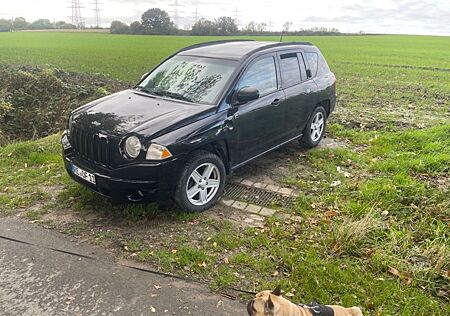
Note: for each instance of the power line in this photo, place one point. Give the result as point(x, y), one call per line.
point(236, 15)
point(76, 18)
point(175, 11)
point(97, 10)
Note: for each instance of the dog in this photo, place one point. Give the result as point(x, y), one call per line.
point(271, 303)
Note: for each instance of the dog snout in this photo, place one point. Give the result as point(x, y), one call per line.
point(250, 307)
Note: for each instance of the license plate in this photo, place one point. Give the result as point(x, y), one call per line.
point(89, 177)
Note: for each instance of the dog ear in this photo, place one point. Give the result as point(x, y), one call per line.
point(277, 290)
point(270, 303)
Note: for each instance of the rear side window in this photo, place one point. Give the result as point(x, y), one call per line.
point(312, 60)
point(290, 70)
point(261, 75)
point(323, 66)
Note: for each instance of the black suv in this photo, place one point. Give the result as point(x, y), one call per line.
point(201, 113)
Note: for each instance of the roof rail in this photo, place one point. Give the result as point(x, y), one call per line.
point(213, 43)
point(278, 45)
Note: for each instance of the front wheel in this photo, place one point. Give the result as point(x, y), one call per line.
point(315, 129)
point(201, 183)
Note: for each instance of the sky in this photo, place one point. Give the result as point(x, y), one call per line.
point(424, 17)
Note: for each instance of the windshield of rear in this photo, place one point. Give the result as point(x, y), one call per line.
point(189, 78)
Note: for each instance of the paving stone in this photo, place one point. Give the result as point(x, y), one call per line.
point(259, 185)
point(273, 188)
point(283, 216)
point(228, 202)
point(240, 205)
point(248, 220)
point(286, 191)
point(236, 179)
point(247, 182)
point(257, 217)
point(267, 212)
point(253, 208)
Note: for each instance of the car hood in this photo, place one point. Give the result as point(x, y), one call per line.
point(131, 111)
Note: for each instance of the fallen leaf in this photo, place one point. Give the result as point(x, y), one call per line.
point(335, 183)
point(157, 287)
point(152, 309)
point(394, 271)
point(174, 251)
point(226, 261)
point(331, 213)
point(275, 274)
point(202, 264)
point(289, 294)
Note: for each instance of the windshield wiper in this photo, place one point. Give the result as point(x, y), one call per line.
point(177, 96)
point(164, 93)
point(143, 89)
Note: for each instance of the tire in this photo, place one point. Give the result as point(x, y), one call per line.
point(203, 193)
point(313, 134)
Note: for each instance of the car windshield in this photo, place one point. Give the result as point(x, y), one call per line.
point(189, 78)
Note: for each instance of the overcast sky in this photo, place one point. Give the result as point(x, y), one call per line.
point(380, 16)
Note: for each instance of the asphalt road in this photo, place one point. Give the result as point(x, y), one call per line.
point(36, 278)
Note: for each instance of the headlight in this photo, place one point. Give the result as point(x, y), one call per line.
point(158, 152)
point(132, 147)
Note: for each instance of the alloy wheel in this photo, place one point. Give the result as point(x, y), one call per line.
point(317, 126)
point(203, 184)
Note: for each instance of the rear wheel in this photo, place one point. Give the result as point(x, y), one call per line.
point(315, 129)
point(201, 183)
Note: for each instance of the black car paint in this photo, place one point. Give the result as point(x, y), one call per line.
point(237, 134)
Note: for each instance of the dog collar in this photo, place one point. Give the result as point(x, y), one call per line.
point(317, 309)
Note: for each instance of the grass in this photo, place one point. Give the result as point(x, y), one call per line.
point(381, 204)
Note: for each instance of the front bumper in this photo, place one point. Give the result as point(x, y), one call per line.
point(137, 182)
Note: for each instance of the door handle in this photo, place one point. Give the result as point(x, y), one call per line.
point(276, 102)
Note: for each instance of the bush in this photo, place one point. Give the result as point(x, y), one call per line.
point(36, 102)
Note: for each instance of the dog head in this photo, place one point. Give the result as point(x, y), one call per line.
point(264, 303)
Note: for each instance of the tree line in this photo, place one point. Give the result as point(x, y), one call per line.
point(20, 24)
point(156, 21)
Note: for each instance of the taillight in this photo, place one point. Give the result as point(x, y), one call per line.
point(334, 84)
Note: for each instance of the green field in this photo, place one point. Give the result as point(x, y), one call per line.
point(380, 239)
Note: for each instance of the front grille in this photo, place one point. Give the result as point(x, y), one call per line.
point(94, 147)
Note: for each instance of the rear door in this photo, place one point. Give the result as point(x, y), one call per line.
point(299, 91)
point(260, 123)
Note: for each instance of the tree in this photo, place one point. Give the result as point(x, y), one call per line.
point(5, 25)
point(20, 24)
point(261, 27)
point(287, 25)
point(204, 27)
point(156, 21)
point(118, 27)
point(136, 28)
point(65, 26)
point(226, 26)
point(250, 28)
point(41, 24)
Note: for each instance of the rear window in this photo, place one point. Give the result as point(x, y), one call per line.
point(290, 70)
point(312, 60)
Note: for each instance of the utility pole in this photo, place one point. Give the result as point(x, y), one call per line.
point(236, 16)
point(97, 10)
point(175, 11)
point(76, 18)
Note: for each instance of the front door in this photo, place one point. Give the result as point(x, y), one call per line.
point(260, 123)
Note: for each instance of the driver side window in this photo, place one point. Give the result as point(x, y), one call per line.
point(261, 75)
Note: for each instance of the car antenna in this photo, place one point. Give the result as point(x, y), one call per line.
point(281, 37)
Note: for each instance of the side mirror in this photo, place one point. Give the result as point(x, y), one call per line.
point(308, 73)
point(246, 94)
